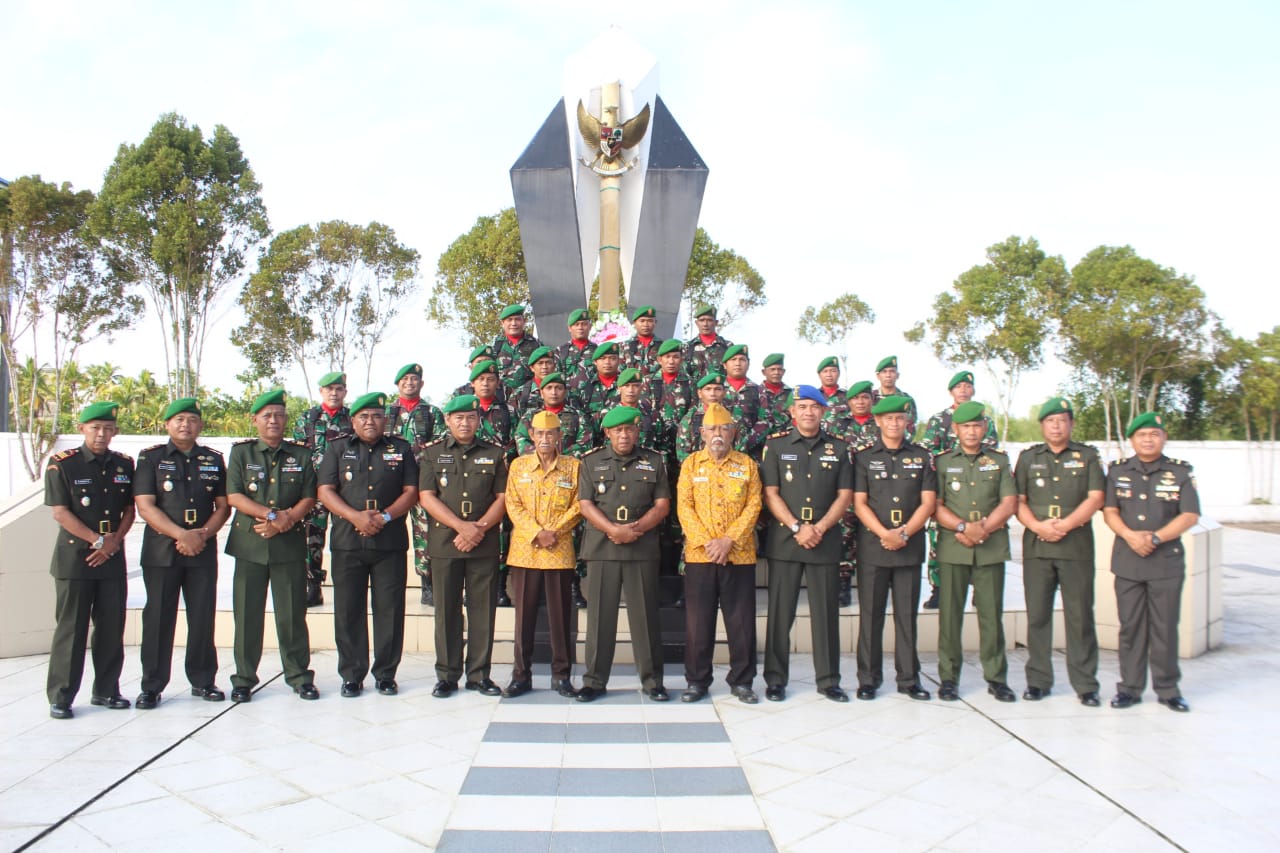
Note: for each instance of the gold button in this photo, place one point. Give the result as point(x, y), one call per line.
point(1142, 497)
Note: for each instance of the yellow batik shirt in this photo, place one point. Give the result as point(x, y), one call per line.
point(716, 499)
point(542, 500)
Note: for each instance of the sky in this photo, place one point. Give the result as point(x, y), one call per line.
point(855, 147)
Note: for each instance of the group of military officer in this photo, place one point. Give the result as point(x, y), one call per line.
point(554, 464)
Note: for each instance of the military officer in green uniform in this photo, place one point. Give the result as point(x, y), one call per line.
point(462, 486)
point(670, 393)
point(631, 393)
point(977, 499)
point(512, 348)
point(808, 484)
point(597, 391)
point(887, 374)
point(498, 428)
point(271, 484)
point(858, 429)
point(1060, 487)
point(774, 393)
point(624, 495)
point(640, 352)
point(744, 398)
point(577, 434)
point(180, 489)
point(704, 352)
point(1151, 501)
point(90, 490)
point(318, 426)
point(478, 355)
point(895, 492)
point(419, 423)
point(837, 400)
point(574, 355)
point(369, 481)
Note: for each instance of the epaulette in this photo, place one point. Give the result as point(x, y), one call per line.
point(1121, 460)
point(592, 451)
point(124, 456)
point(243, 441)
point(151, 448)
point(65, 454)
point(434, 443)
point(1038, 446)
point(780, 433)
point(1181, 462)
point(210, 449)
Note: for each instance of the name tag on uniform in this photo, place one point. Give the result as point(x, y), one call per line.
point(167, 466)
point(1073, 463)
point(1035, 466)
point(210, 468)
point(988, 467)
point(788, 457)
point(602, 468)
point(829, 458)
point(955, 471)
point(699, 479)
point(121, 478)
point(444, 459)
point(84, 482)
point(737, 475)
point(643, 466)
point(350, 454)
point(566, 484)
point(292, 469)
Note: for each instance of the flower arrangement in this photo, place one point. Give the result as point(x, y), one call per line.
point(609, 326)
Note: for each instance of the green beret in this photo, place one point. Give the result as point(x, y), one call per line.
point(628, 376)
point(606, 348)
point(1056, 406)
point(269, 398)
point(863, 387)
point(643, 311)
point(372, 400)
point(461, 403)
point(887, 361)
point(736, 349)
point(705, 309)
point(619, 416)
point(407, 369)
point(551, 379)
point(966, 412)
point(335, 378)
point(669, 345)
point(104, 411)
point(711, 378)
point(1144, 420)
point(891, 405)
point(578, 314)
point(772, 358)
point(486, 366)
point(539, 354)
point(177, 407)
point(482, 351)
point(962, 376)
point(511, 311)
point(829, 361)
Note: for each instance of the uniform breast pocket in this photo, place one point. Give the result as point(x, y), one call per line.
point(602, 482)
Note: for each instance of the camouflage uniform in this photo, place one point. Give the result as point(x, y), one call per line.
point(858, 437)
point(578, 433)
point(913, 414)
point(424, 424)
point(670, 402)
point(640, 356)
point(512, 360)
point(575, 362)
point(497, 427)
point(698, 359)
point(594, 397)
point(837, 409)
point(749, 401)
point(689, 434)
point(776, 404)
point(315, 430)
point(650, 427)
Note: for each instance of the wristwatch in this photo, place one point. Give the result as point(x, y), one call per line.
point(99, 543)
point(902, 531)
point(1155, 540)
point(960, 527)
point(386, 516)
point(272, 515)
point(795, 528)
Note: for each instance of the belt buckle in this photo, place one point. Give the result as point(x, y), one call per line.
point(622, 514)
point(371, 504)
point(975, 515)
point(104, 527)
point(466, 509)
point(190, 516)
point(806, 513)
point(895, 516)
point(1055, 510)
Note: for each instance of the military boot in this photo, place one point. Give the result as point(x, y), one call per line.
point(575, 589)
point(427, 597)
point(315, 597)
point(846, 590)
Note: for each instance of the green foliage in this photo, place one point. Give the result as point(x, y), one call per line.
point(833, 322)
point(480, 272)
point(723, 278)
point(180, 213)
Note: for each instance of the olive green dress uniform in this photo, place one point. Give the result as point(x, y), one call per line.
point(624, 488)
point(1055, 484)
point(468, 478)
point(368, 476)
point(98, 491)
point(1149, 589)
point(808, 473)
point(185, 486)
point(972, 487)
point(277, 478)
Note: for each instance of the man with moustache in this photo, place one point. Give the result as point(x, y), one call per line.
point(704, 352)
point(577, 435)
point(774, 393)
point(887, 374)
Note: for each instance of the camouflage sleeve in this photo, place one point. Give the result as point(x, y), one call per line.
point(686, 440)
point(584, 440)
point(524, 443)
point(992, 438)
point(932, 438)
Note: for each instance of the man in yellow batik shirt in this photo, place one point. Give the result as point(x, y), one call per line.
point(718, 500)
point(542, 502)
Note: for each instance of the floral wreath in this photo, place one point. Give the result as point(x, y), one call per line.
point(609, 326)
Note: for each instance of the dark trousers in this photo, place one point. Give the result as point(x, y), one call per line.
point(988, 600)
point(1149, 612)
point(480, 577)
point(289, 598)
point(874, 585)
point(529, 586)
point(355, 573)
point(1041, 578)
point(78, 604)
point(199, 588)
point(733, 589)
point(822, 582)
point(607, 580)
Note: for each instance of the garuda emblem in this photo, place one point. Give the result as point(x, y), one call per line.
point(609, 142)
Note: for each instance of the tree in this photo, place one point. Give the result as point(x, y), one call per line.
point(723, 278)
point(998, 314)
point(180, 213)
point(55, 295)
point(480, 272)
point(320, 292)
point(832, 323)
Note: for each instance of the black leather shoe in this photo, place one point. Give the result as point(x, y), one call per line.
point(61, 711)
point(1176, 703)
point(516, 688)
point(486, 687)
point(504, 600)
point(931, 603)
point(1035, 694)
point(352, 688)
point(866, 692)
point(835, 694)
point(388, 686)
point(1124, 700)
point(308, 692)
point(444, 689)
point(575, 590)
point(1001, 691)
point(209, 693)
point(744, 694)
point(846, 591)
point(693, 694)
point(1090, 699)
point(566, 689)
point(590, 694)
point(658, 694)
point(147, 700)
point(241, 694)
point(915, 691)
point(315, 597)
point(427, 597)
point(115, 703)
point(948, 692)
point(775, 693)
